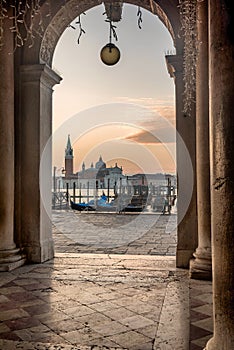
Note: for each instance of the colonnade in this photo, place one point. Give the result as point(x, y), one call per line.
point(207, 228)
point(214, 167)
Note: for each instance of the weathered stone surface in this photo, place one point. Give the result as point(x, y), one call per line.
point(10, 257)
point(221, 53)
point(200, 266)
point(92, 301)
point(114, 234)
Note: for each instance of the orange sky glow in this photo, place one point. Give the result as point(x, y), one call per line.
point(124, 113)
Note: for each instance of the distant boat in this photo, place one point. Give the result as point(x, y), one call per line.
point(132, 208)
point(136, 204)
point(115, 206)
point(101, 204)
point(81, 206)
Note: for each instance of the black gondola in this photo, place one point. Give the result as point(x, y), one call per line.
point(82, 206)
point(132, 208)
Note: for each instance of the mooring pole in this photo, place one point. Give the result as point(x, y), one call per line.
point(108, 190)
point(88, 191)
point(80, 194)
point(67, 191)
point(74, 192)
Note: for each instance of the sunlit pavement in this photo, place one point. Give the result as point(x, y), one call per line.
point(104, 301)
point(90, 232)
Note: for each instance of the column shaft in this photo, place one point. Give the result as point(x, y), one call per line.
point(33, 211)
point(200, 267)
point(221, 49)
point(9, 257)
point(186, 165)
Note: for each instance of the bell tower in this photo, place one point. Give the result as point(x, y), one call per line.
point(69, 159)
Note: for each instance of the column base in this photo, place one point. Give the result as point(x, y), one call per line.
point(183, 257)
point(201, 266)
point(11, 259)
point(40, 253)
point(210, 345)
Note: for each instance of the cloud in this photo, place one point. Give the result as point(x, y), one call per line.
point(158, 126)
point(162, 107)
point(146, 101)
point(167, 112)
point(163, 135)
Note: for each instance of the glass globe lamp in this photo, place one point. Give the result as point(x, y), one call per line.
point(110, 54)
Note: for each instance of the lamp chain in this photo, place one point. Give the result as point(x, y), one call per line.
point(139, 15)
point(112, 27)
point(81, 30)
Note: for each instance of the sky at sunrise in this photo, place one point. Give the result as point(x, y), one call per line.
point(125, 112)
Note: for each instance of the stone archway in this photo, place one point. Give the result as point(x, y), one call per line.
point(33, 89)
point(34, 80)
point(62, 14)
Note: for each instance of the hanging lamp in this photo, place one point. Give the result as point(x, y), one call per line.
point(110, 53)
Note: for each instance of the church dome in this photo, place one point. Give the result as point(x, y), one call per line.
point(100, 164)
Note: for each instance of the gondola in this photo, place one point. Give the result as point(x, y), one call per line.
point(81, 206)
point(132, 208)
point(100, 205)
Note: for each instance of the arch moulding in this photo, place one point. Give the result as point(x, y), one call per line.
point(63, 13)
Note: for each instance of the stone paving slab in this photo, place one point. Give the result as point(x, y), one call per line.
point(201, 315)
point(91, 302)
point(102, 299)
point(12, 345)
point(112, 233)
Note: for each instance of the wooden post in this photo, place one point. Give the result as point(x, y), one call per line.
point(67, 191)
point(55, 187)
point(74, 192)
point(96, 193)
point(80, 194)
point(88, 191)
point(128, 187)
point(115, 192)
point(108, 190)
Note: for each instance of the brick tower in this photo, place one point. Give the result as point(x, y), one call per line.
point(69, 159)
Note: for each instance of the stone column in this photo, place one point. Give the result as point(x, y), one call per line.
point(200, 267)
point(221, 51)
point(186, 137)
point(33, 212)
point(10, 257)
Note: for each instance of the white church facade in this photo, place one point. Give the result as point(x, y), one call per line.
point(95, 176)
point(100, 176)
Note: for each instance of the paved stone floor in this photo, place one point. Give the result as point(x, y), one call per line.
point(90, 232)
point(105, 301)
point(201, 317)
point(114, 301)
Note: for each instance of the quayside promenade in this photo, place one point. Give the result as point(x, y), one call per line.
point(103, 294)
point(97, 232)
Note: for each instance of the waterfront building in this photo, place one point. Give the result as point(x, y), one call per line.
point(153, 180)
point(97, 176)
point(100, 176)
